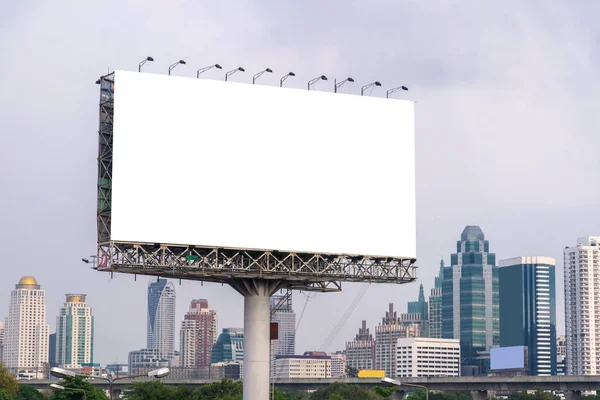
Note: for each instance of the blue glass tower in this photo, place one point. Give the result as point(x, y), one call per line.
point(528, 310)
point(470, 298)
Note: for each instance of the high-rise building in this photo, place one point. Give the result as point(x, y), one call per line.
point(428, 357)
point(528, 310)
point(74, 333)
point(198, 335)
point(582, 314)
point(1, 340)
point(229, 346)
point(285, 317)
point(26, 332)
point(470, 299)
point(338, 364)
point(360, 353)
point(387, 333)
point(435, 306)
point(421, 309)
point(161, 317)
point(52, 350)
point(561, 355)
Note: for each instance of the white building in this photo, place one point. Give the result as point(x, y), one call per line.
point(428, 357)
point(145, 360)
point(561, 355)
point(26, 331)
point(312, 364)
point(338, 364)
point(74, 333)
point(582, 314)
point(1, 339)
point(161, 317)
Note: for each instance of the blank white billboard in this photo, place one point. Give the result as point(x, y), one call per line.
point(512, 357)
point(212, 163)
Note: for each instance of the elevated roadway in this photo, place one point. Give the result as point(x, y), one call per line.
point(571, 385)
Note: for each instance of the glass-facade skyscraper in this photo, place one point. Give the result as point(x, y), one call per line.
point(421, 308)
point(470, 298)
point(161, 318)
point(528, 310)
point(74, 344)
point(229, 346)
point(435, 306)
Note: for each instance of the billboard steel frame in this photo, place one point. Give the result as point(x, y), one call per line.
point(300, 271)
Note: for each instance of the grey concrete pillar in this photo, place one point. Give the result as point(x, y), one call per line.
point(398, 395)
point(572, 394)
point(479, 394)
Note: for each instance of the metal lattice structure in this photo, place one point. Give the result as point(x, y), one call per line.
point(301, 271)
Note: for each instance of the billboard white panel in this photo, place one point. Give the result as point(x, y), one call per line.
point(212, 163)
point(507, 357)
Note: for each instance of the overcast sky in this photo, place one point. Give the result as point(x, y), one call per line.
point(506, 127)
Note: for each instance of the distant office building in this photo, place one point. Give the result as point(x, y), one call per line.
point(561, 355)
point(229, 346)
point(582, 314)
point(1, 340)
point(427, 357)
point(470, 299)
point(141, 360)
point(52, 350)
point(435, 306)
point(161, 317)
point(227, 369)
point(118, 370)
point(420, 309)
point(198, 335)
point(509, 361)
point(285, 317)
point(312, 364)
point(26, 332)
point(74, 333)
point(360, 353)
point(338, 364)
point(387, 333)
point(413, 323)
point(528, 310)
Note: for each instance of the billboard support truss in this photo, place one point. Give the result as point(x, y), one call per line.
point(300, 271)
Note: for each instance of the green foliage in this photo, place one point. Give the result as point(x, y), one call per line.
point(153, 390)
point(26, 392)
point(5, 396)
point(385, 392)
point(538, 395)
point(8, 383)
point(156, 390)
point(339, 390)
point(284, 395)
point(450, 395)
point(78, 383)
point(224, 390)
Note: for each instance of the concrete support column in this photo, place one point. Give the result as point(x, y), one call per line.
point(573, 394)
point(479, 394)
point(257, 318)
point(398, 395)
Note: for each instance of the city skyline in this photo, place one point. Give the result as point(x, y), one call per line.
point(404, 318)
point(499, 94)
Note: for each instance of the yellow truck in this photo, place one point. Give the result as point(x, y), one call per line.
point(371, 373)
